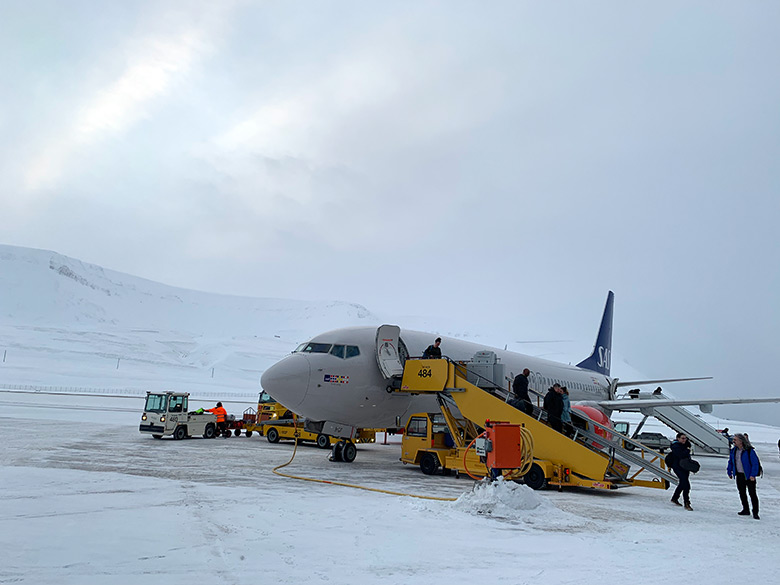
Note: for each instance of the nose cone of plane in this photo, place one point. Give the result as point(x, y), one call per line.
point(288, 380)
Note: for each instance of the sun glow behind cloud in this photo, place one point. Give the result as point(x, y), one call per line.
point(153, 65)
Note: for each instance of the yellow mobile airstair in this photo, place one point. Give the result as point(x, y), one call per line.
point(587, 458)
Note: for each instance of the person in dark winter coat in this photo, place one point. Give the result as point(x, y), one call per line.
point(553, 404)
point(744, 466)
point(566, 413)
point(681, 449)
point(433, 351)
point(521, 400)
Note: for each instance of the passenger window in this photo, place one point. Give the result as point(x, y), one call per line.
point(352, 351)
point(338, 351)
point(417, 427)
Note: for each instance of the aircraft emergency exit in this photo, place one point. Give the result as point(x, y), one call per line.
point(344, 377)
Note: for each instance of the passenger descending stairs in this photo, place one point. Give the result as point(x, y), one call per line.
point(587, 454)
point(614, 446)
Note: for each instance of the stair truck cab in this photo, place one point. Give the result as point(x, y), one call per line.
point(165, 415)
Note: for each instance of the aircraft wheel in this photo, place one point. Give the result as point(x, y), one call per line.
point(337, 453)
point(237, 432)
point(157, 436)
point(323, 441)
point(429, 463)
point(209, 432)
point(180, 433)
point(349, 452)
point(535, 479)
point(272, 435)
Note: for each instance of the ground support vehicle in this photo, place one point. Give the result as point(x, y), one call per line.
point(253, 421)
point(233, 426)
point(583, 459)
point(278, 423)
point(656, 441)
point(428, 442)
point(269, 409)
point(165, 415)
point(289, 430)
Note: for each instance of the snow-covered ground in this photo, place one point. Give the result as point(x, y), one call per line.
point(87, 499)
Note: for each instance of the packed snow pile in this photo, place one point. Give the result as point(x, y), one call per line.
point(502, 498)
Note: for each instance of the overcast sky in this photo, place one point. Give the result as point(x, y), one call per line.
point(498, 165)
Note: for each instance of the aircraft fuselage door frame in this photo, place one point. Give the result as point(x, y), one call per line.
point(388, 350)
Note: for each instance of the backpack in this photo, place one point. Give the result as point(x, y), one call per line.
point(670, 459)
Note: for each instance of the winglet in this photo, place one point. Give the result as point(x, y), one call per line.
point(601, 358)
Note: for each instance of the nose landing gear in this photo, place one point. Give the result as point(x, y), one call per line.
point(343, 451)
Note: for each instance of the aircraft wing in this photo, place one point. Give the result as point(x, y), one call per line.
point(645, 382)
point(635, 404)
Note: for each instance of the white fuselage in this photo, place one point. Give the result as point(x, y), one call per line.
point(353, 391)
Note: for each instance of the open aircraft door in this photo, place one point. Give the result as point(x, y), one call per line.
point(389, 350)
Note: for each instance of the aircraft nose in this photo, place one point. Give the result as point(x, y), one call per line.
point(288, 380)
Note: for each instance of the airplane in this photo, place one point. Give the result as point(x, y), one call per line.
point(343, 379)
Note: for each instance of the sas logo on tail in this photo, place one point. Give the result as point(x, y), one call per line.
point(333, 379)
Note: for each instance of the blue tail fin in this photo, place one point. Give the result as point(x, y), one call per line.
point(601, 358)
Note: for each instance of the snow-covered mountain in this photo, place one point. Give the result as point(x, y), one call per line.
point(45, 288)
point(64, 322)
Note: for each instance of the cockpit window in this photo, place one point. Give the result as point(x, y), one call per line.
point(312, 347)
point(340, 351)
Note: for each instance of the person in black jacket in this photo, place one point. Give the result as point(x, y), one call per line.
point(553, 404)
point(521, 400)
point(681, 450)
point(433, 351)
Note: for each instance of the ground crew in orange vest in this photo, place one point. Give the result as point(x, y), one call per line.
point(221, 416)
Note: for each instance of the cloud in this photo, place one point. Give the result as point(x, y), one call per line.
point(149, 68)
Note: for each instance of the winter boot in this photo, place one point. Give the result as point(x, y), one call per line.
point(676, 502)
point(755, 515)
point(744, 513)
point(688, 507)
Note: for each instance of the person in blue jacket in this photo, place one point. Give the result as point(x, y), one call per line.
point(681, 449)
point(744, 466)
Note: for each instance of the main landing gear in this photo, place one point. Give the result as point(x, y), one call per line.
point(343, 451)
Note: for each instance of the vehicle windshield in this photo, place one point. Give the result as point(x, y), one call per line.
point(265, 397)
point(156, 402)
